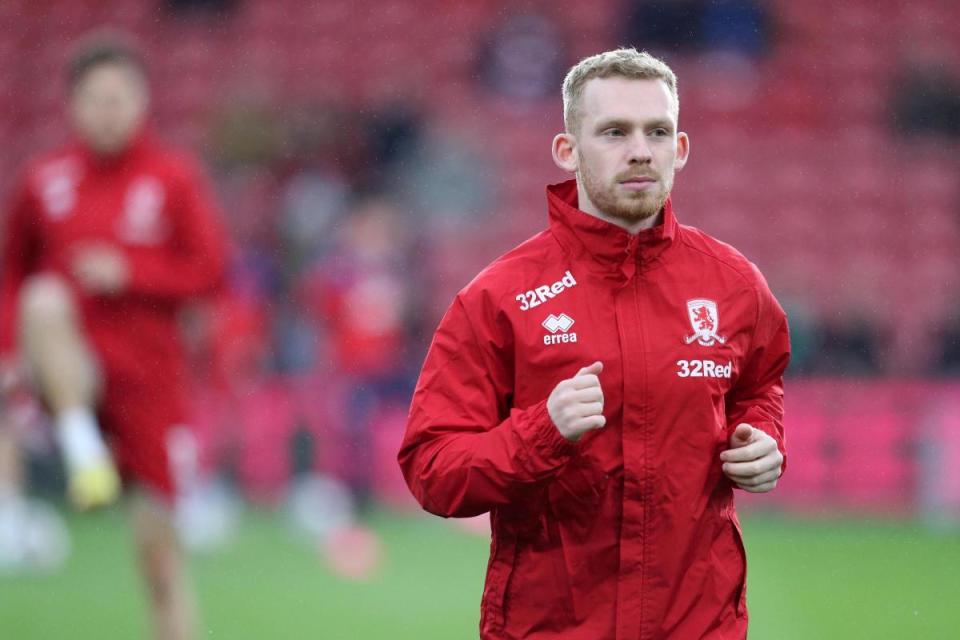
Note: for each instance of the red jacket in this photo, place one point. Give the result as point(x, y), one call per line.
point(631, 532)
point(151, 203)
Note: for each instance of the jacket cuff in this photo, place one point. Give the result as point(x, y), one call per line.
point(543, 449)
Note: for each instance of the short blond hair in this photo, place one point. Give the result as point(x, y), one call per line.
point(625, 63)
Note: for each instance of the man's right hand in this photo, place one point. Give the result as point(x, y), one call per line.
point(576, 404)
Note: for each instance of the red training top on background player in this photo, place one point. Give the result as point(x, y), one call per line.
point(130, 227)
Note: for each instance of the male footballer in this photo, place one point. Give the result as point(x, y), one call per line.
point(604, 387)
point(106, 239)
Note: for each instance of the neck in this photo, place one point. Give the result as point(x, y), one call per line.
point(631, 225)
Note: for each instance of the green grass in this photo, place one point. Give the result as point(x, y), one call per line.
point(849, 579)
point(808, 580)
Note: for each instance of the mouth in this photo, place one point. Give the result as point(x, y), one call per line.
point(638, 183)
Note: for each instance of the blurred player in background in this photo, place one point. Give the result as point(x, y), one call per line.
point(602, 388)
point(105, 240)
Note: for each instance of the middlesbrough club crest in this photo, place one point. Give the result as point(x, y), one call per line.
point(705, 321)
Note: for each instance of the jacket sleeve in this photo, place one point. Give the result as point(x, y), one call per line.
point(466, 450)
point(194, 262)
point(18, 257)
point(757, 398)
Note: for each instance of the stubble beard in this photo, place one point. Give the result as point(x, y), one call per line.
point(633, 207)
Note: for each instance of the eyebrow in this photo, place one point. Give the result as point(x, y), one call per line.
point(618, 123)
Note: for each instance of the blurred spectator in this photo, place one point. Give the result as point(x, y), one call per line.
point(846, 346)
point(678, 26)
point(361, 293)
point(325, 135)
point(446, 180)
point(948, 362)
point(666, 26)
point(201, 6)
point(395, 131)
point(312, 201)
point(324, 160)
point(927, 94)
point(736, 26)
point(239, 341)
point(803, 336)
point(521, 58)
point(246, 132)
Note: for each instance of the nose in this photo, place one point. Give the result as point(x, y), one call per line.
point(640, 150)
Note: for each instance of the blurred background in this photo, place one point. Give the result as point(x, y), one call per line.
point(371, 157)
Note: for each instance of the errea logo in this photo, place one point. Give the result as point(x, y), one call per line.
point(558, 326)
point(553, 323)
point(537, 296)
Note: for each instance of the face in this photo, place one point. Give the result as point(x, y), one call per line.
point(625, 150)
point(108, 106)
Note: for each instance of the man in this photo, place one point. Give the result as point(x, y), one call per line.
point(602, 388)
point(106, 239)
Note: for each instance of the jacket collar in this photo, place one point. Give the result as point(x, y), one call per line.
point(608, 244)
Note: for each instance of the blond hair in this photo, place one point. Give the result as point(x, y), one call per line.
point(625, 63)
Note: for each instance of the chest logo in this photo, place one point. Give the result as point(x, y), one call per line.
point(559, 328)
point(705, 320)
point(537, 296)
point(143, 221)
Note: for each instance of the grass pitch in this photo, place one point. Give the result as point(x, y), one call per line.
point(807, 580)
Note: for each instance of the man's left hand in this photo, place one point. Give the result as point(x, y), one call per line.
point(101, 269)
point(753, 461)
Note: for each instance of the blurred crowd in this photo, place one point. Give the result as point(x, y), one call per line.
point(338, 208)
point(342, 210)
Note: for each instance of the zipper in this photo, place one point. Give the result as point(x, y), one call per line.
point(645, 439)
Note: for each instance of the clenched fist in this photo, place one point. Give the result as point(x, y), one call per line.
point(576, 404)
point(753, 461)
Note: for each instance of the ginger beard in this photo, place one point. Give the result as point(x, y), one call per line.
point(617, 202)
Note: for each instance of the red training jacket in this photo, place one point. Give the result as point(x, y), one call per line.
point(152, 204)
point(631, 532)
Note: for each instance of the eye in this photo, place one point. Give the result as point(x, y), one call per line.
point(660, 133)
point(614, 133)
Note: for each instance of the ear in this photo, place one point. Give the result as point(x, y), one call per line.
point(683, 150)
point(565, 152)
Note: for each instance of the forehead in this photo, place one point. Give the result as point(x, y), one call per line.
point(626, 99)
